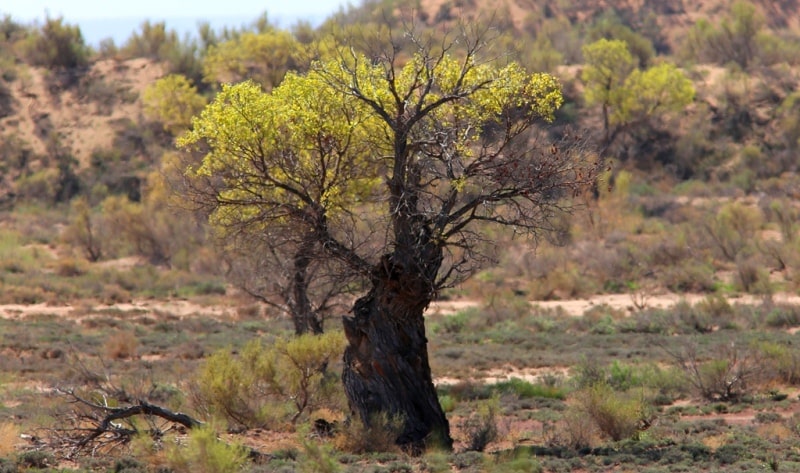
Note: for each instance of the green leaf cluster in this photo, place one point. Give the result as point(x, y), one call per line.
point(172, 100)
point(263, 57)
point(627, 94)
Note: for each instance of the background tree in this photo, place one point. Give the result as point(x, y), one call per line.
point(630, 97)
point(422, 148)
point(57, 45)
point(173, 101)
point(263, 57)
point(737, 38)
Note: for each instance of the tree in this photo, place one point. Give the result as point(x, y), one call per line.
point(57, 45)
point(410, 153)
point(629, 96)
point(263, 57)
point(737, 39)
point(173, 101)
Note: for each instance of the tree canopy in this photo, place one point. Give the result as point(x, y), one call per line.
point(630, 96)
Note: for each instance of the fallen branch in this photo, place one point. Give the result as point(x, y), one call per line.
point(98, 426)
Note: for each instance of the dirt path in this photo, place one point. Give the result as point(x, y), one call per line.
point(184, 308)
point(174, 308)
point(577, 307)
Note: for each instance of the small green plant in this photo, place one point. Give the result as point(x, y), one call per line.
point(480, 428)
point(206, 453)
point(317, 458)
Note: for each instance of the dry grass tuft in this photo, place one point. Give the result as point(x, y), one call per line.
point(121, 345)
point(9, 437)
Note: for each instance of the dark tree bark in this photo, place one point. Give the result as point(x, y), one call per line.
point(305, 319)
point(386, 368)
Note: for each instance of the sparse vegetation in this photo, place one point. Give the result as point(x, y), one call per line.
point(685, 358)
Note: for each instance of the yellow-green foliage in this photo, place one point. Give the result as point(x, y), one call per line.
point(734, 228)
point(608, 63)
point(310, 141)
point(661, 88)
point(269, 383)
point(316, 145)
point(173, 101)
point(616, 415)
point(205, 453)
point(629, 94)
point(261, 57)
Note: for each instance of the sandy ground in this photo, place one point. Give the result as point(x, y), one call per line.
point(572, 307)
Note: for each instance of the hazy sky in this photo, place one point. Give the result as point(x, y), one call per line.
point(74, 10)
point(116, 19)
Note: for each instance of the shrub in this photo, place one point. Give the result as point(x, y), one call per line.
point(38, 459)
point(121, 345)
point(317, 458)
point(57, 45)
point(267, 383)
point(480, 428)
point(733, 372)
point(737, 39)
point(616, 415)
point(205, 453)
point(783, 361)
point(733, 228)
point(379, 435)
point(172, 101)
point(9, 436)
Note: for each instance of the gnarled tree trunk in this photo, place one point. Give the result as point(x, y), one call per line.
point(386, 367)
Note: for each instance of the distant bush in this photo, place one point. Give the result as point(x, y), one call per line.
point(121, 345)
point(155, 41)
point(173, 101)
point(737, 39)
point(735, 371)
point(57, 45)
point(617, 416)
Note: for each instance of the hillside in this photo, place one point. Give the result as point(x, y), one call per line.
point(664, 21)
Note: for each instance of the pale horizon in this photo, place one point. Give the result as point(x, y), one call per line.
point(99, 20)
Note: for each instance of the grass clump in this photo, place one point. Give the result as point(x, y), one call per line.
point(616, 415)
point(204, 452)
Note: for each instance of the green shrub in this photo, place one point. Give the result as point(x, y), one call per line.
point(206, 453)
point(782, 359)
point(732, 229)
point(316, 458)
point(448, 403)
point(270, 383)
point(57, 45)
point(480, 428)
point(733, 372)
point(616, 415)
